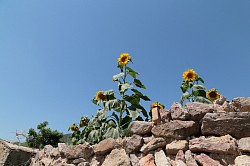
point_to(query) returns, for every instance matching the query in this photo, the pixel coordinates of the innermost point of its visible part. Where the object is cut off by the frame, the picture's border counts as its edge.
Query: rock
(153, 144)
(141, 127)
(220, 101)
(155, 115)
(148, 139)
(97, 160)
(205, 160)
(242, 104)
(236, 124)
(61, 146)
(78, 151)
(190, 161)
(180, 158)
(161, 159)
(176, 129)
(223, 145)
(55, 153)
(224, 159)
(11, 154)
(165, 115)
(178, 113)
(147, 160)
(175, 146)
(134, 160)
(117, 158)
(198, 110)
(244, 144)
(47, 150)
(79, 160)
(242, 160)
(105, 146)
(84, 164)
(133, 144)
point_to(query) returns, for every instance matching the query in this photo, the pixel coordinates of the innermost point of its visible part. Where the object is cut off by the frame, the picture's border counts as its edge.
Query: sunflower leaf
(138, 93)
(124, 87)
(139, 84)
(197, 87)
(199, 93)
(184, 87)
(185, 96)
(117, 76)
(131, 72)
(200, 79)
(203, 100)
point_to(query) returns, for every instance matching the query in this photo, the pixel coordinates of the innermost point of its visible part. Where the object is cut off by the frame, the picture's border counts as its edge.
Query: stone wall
(14, 155)
(197, 134)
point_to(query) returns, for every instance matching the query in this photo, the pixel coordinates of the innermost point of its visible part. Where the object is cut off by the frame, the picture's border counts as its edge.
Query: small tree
(45, 136)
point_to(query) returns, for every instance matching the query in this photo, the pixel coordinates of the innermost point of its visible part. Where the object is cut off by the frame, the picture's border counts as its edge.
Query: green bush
(45, 136)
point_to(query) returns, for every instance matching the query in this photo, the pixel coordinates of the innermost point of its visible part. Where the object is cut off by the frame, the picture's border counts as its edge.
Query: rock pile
(198, 134)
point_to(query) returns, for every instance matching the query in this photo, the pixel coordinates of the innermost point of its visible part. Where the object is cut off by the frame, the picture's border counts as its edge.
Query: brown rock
(242, 104)
(147, 160)
(223, 145)
(224, 159)
(198, 110)
(178, 113)
(105, 146)
(153, 144)
(117, 158)
(180, 158)
(205, 160)
(161, 159)
(236, 124)
(134, 160)
(165, 115)
(133, 144)
(141, 127)
(176, 129)
(175, 146)
(242, 160)
(190, 161)
(244, 144)
(78, 151)
(97, 160)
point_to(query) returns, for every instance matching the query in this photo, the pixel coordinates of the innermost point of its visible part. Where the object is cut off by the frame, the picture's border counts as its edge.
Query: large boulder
(11, 154)
(153, 144)
(105, 146)
(236, 124)
(242, 104)
(140, 127)
(117, 158)
(176, 129)
(222, 145)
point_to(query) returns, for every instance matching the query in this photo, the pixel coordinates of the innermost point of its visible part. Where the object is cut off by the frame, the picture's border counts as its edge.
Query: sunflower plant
(115, 113)
(194, 90)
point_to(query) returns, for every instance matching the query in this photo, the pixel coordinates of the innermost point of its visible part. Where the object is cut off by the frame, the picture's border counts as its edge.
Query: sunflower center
(190, 75)
(213, 95)
(124, 59)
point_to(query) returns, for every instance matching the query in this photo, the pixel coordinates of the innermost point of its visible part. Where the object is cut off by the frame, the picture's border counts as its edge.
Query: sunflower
(73, 128)
(189, 75)
(212, 94)
(100, 96)
(156, 104)
(123, 59)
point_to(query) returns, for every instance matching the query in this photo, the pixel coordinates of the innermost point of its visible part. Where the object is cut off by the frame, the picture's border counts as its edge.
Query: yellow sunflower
(156, 104)
(73, 128)
(83, 123)
(100, 96)
(212, 94)
(123, 59)
(189, 75)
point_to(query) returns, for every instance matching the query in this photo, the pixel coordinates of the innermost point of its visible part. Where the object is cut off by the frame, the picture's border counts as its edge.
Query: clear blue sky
(56, 54)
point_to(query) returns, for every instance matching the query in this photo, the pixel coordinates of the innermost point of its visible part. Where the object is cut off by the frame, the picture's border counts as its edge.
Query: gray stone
(176, 129)
(141, 127)
(175, 146)
(133, 144)
(161, 159)
(236, 124)
(134, 160)
(117, 158)
(244, 144)
(242, 160)
(223, 145)
(105, 146)
(11, 154)
(153, 144)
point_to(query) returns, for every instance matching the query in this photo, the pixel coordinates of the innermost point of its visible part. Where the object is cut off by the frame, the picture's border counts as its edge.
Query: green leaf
(109, 94)
(198, 87)
(124, 87)
(203, 100)
(199, 93)
(184, 87)
(125, 122)
(133, 111)
(185, 96)
(112, 133)
(133, 99)
(139, 84)
(113, 104)
(131, 72)
(138, 93)
(200, 79)
(117, 76)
